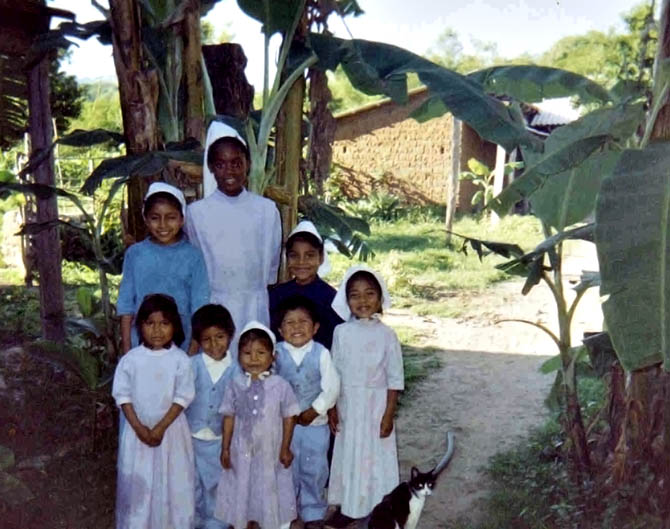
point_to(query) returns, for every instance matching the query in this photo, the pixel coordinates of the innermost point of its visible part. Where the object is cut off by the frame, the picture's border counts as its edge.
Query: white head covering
(162, 187)
(307, 226)
(217, 129)
(340, 304)
(258, 325)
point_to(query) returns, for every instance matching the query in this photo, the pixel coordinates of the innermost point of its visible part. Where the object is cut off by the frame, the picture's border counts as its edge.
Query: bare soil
(488, 391)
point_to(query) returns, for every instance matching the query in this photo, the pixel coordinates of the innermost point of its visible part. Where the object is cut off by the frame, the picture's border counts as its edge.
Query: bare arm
(141, 430)
(386, 426)
(158, 431)
(126, 325)
(285, 454)
(228, 428)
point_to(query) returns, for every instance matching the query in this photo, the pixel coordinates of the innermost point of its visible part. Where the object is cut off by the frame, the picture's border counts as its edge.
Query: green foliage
(632, 239)
(448, 52)
(611, 57)
(13, 491)
(532, 84)
(423, 272)
(378, 205)
(376, 68)
(482, 176)
(65, 98)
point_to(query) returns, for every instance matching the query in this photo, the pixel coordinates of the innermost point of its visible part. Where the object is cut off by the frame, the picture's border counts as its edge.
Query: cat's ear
(414, 473)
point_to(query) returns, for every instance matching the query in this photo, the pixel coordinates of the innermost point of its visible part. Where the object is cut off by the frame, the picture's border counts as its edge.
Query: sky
(515, 26)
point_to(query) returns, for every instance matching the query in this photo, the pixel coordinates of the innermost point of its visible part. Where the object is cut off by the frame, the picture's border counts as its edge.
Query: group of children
(251, 448)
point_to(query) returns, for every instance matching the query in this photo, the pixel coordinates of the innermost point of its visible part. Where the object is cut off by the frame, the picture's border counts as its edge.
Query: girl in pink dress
(259, 410)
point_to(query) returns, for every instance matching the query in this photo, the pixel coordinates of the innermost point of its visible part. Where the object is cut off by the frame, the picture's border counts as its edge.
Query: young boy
(213, 330)
(307, 366)
(304, 256)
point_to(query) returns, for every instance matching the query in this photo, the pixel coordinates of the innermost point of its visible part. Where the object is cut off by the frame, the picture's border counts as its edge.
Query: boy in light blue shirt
(213, 329)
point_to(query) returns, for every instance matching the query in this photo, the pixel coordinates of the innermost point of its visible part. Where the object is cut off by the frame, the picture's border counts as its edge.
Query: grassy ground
(429, 276)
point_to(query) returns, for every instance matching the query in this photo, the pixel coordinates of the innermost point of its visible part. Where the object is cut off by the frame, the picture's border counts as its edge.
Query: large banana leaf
(566, 149)
(569, 197)
(633, 242)
(377, 68)
(276, 16)
(530, 83)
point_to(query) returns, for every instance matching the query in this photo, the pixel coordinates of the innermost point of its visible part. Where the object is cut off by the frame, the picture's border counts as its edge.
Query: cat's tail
(444, 462)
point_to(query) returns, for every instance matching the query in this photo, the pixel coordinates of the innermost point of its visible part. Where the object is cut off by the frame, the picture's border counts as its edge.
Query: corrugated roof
(558, 111)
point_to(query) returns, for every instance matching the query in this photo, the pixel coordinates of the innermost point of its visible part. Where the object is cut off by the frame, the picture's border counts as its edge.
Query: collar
(209, 361)
(262, 376)
(222, 196)
(302, 350)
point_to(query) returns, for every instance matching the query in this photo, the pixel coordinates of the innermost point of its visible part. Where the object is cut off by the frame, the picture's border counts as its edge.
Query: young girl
(153, 383)
(238, 232)
(368, 358)
(163, 262)
(259, 410)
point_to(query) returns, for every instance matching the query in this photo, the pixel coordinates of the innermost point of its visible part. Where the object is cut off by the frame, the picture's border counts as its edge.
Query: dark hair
(160, 303)
(304, 236)
(212, 316)
(230, 141)
(161, 196)
(255, 334)
(370, 278)
(297, 302)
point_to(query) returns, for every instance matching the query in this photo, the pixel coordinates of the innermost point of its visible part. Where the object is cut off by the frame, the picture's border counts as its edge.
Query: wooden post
(452, 181)
(498, 179)
(52, 311)
(289, 156)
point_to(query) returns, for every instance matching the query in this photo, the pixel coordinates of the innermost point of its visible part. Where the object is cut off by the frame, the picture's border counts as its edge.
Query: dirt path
(488, 392)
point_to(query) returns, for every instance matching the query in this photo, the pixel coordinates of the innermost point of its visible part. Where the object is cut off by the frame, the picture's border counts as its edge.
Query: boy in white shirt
(308, 367)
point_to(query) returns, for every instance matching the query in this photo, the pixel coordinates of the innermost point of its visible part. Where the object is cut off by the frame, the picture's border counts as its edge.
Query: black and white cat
(401, 508)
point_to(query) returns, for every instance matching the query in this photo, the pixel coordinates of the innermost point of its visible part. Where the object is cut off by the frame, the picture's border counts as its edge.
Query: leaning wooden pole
(47, 242)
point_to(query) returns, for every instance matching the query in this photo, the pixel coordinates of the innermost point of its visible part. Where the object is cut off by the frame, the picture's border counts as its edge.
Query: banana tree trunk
(194, 122)
(641, 431)
(138, 92)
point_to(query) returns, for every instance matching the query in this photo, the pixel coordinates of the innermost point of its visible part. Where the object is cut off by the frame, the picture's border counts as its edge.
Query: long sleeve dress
(177, 270)
(368, 358)
(240, 238)
(155, 485)
(258, 487)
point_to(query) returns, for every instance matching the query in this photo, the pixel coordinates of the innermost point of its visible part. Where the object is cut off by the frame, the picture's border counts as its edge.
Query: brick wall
(378, 147)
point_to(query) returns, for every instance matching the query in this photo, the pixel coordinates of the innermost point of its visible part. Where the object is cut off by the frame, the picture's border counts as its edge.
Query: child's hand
(145, 436)
(307, 416)
(286, 457)
(386, 426)
(225, 459)
(333, 420)
(157, 433)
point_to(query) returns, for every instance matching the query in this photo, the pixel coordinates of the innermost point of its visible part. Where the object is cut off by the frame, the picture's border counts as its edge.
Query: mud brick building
(379, 147)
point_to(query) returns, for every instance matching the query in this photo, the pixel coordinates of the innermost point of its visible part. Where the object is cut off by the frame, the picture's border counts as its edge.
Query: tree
(66, 98)
(610, 57)
(448, 51)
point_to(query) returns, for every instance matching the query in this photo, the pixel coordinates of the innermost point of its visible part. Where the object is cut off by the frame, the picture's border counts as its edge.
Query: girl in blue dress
(165, 262)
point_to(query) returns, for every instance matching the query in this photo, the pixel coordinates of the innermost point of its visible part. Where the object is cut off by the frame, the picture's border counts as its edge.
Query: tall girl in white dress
(153, 383)
(367, 355)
